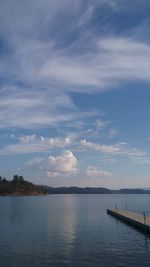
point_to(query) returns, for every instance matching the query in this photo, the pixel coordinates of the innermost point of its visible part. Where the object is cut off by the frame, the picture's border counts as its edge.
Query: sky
(75, 92)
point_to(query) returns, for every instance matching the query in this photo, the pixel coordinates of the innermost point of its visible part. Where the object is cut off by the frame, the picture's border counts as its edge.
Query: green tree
(17, 179)
(4, 181)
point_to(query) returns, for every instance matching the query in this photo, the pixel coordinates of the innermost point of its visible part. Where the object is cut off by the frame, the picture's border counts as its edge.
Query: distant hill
(93, 190)
(20, 187)
(133, 191)
(77, 190)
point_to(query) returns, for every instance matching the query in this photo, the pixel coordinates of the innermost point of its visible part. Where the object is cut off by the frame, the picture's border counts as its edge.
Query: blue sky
(74, 92)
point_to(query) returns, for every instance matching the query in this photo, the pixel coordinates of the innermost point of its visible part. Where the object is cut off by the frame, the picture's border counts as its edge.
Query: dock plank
(133, 218)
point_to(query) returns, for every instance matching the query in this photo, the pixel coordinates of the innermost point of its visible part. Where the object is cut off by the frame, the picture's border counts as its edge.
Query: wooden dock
(139, 221)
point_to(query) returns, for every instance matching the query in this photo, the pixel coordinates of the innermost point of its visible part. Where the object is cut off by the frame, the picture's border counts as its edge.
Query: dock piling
(144, 215)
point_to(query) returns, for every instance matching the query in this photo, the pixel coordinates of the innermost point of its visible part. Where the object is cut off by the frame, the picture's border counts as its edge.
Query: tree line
(19, 186)
(16, 180)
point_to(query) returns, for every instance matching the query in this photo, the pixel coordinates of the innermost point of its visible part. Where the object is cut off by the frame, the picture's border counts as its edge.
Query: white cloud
(94, 171)
(136, 154)
(28, 138)
(61, 166)
(35, 144)
(65, 164)
(100, 124)
(115, 60)
(108, 159)
(35, 108)
(110, 149)
(32, 108)
(47, 72)
(40, 60)
(120, 149)
(97, 127)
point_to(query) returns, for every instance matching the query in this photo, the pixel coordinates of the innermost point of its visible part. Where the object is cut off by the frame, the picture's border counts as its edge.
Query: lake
(71, 230)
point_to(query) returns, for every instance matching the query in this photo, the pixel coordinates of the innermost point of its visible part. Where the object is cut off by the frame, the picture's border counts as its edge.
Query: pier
(139, 221)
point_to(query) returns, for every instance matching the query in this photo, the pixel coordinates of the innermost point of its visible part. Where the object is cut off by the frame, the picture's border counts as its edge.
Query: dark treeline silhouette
(16, 180)
(19, 186)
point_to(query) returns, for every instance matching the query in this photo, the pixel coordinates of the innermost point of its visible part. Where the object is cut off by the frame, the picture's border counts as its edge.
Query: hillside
(18, 187)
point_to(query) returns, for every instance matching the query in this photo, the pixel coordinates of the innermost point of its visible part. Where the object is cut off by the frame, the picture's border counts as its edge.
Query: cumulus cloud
(94, 171)
(65, 164)
(61, 166)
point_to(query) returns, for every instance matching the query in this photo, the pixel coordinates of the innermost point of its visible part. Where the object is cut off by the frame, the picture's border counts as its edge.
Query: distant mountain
(93, 190)
(18, 187)
(77, 190)
(133, 191)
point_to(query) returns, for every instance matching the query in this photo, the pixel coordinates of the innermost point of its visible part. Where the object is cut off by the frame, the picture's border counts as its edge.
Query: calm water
(71, 230)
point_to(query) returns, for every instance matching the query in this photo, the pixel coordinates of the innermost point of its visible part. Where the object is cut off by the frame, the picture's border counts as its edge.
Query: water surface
(71, 230)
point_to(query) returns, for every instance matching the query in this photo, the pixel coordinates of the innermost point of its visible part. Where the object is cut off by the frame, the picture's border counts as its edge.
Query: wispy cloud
(112, 133)
(110, 61)
(96, 172)
(40, 67)
(35, 144)
(114, 60)
(29, 108)
(118, 149)
(108, 149)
